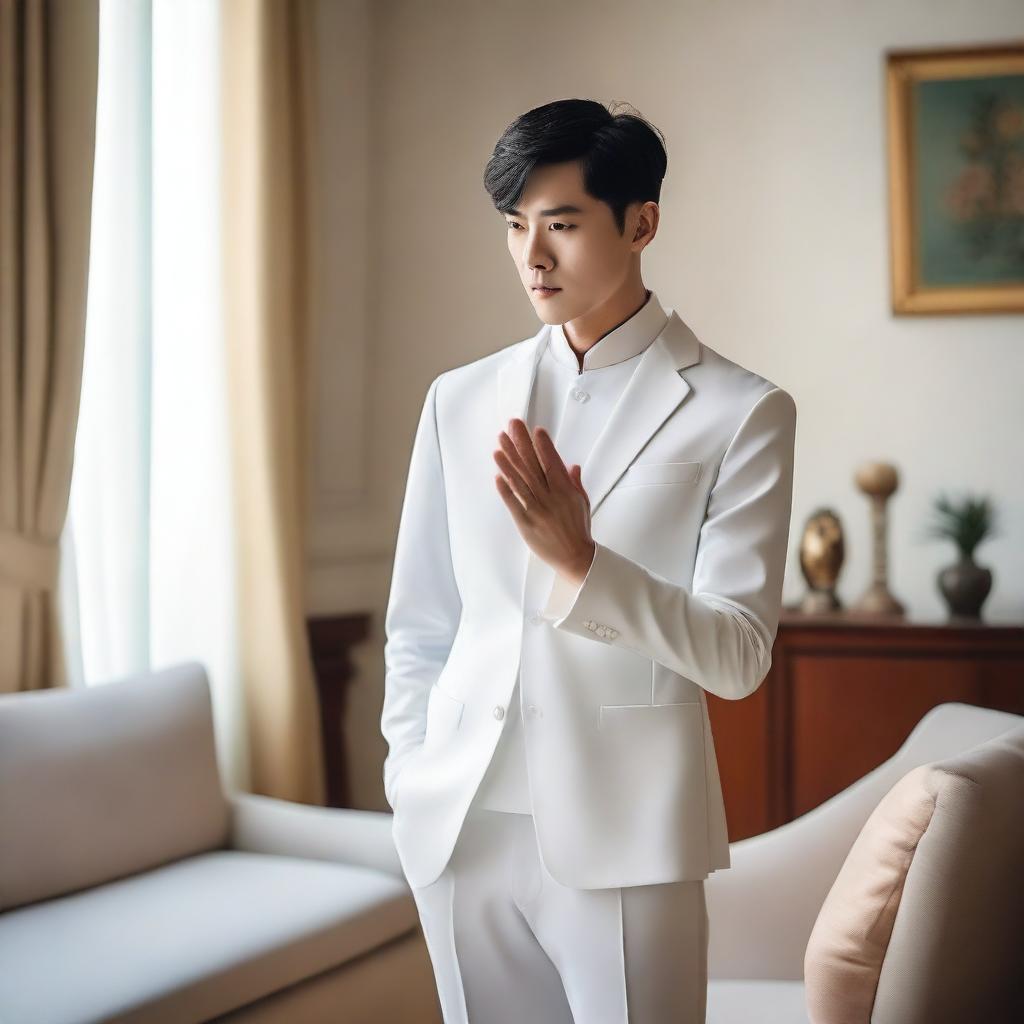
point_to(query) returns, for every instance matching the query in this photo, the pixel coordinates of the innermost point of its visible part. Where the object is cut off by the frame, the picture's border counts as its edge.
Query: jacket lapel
(651, 396)
(515, 381)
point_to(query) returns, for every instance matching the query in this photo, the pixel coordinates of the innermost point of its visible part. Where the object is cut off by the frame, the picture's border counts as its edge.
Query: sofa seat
(766, 1001)
(194, 938)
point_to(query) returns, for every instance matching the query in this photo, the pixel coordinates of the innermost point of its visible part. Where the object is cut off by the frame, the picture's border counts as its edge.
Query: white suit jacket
(690, 484)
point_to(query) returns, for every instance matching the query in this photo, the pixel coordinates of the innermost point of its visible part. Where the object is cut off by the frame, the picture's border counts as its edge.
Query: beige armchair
(764, 908)
(134, 889)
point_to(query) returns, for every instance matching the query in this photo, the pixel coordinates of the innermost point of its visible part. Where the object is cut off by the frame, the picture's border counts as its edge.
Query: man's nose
(535, 255)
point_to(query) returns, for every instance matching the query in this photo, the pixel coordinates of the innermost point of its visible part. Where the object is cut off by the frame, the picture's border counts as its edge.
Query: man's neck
(586, 331)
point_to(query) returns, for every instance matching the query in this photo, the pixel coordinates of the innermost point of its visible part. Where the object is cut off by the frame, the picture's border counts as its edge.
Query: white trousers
(511, 945)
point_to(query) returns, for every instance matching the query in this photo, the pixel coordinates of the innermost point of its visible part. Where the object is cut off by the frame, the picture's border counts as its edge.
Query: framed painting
(956, 179)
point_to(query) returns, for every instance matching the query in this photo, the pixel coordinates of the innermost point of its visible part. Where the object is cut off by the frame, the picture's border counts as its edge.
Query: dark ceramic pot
(965, 585)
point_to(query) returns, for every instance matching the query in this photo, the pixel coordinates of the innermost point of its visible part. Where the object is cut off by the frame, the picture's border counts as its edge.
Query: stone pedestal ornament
(879, 481)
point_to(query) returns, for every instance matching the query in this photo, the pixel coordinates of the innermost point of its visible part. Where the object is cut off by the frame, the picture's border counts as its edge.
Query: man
(593, 536)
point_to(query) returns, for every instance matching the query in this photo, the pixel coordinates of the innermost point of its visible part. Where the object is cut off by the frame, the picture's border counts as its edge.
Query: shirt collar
(626, 340)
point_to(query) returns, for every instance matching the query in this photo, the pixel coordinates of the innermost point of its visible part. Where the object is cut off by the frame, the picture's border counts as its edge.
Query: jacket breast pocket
(642, 474)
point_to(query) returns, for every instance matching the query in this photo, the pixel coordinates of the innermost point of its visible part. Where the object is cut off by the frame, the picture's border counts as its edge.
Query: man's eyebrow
(555, 211)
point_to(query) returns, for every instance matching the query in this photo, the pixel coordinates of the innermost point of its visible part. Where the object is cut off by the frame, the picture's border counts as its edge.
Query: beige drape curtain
(267, 117)
(48, 76)
(48, 71)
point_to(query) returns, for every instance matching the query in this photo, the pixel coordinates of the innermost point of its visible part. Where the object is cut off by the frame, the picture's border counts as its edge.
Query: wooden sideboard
(332, 643)
(843, 693)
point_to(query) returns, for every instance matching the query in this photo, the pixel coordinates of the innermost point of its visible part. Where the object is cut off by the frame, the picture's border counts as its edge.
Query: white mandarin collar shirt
(628, 339)
(572, 405)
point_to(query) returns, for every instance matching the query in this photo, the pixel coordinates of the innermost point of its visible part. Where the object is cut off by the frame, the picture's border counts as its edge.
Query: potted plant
(964, 584)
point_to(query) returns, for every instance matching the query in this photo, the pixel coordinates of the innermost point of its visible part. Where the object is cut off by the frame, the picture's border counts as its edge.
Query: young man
(593, 536)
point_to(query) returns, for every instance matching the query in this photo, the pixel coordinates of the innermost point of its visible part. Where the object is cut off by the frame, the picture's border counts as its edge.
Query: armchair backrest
(924, 923)
(957, 946)
(787, 872)
(106, 781)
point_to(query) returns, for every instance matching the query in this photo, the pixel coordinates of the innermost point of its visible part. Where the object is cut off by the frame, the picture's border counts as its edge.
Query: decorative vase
(965, 585)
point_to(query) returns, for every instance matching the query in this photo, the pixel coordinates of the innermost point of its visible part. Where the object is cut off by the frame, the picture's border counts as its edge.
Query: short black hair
(622, 156)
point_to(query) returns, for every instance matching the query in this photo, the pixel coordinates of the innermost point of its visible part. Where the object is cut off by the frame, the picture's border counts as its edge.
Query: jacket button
(499, 712)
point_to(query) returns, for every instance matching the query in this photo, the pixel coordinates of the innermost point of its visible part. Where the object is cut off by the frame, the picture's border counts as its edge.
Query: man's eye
(554, 224)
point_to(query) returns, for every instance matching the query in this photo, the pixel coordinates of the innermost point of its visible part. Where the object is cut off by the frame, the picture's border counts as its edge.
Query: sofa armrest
(263, 824)
(763, 907)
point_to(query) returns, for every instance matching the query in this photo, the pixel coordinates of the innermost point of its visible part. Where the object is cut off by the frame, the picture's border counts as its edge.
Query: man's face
(563, 237)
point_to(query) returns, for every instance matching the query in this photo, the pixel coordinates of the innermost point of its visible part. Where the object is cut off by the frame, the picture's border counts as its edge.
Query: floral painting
(957, 180)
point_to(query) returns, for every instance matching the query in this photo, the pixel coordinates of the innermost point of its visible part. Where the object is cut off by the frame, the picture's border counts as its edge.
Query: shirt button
(499, 712)
(537, 618)
(579, 395)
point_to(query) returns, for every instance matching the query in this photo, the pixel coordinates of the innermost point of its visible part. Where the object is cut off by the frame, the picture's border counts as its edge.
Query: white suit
(690, 483)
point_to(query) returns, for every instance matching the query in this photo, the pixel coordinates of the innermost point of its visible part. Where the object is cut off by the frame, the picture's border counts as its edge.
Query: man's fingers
(534, 477)
(522, 443)
(511, 502)
(554, 466)
(535, 460)
(519, 486)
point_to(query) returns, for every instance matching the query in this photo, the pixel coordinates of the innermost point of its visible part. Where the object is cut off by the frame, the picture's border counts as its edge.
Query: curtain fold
(48, 93)
(48, 73)
(267, 58)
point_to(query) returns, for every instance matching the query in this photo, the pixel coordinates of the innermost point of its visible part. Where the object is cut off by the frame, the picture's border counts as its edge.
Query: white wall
(773, 247)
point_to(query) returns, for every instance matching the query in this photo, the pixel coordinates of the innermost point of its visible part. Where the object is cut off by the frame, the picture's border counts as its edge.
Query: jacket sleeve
(424, 606)
(720, 632)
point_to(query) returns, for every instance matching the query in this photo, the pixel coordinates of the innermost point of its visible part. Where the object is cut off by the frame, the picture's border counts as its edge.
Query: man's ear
(652, 214)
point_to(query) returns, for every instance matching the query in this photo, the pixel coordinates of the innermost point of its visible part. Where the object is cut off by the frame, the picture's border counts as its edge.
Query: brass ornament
(822, 550)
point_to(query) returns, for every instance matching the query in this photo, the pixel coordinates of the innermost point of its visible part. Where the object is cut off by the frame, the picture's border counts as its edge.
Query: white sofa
(763, 908)
(134, 889)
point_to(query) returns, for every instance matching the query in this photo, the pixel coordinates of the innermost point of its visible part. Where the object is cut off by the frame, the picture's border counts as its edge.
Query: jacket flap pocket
(444, 712)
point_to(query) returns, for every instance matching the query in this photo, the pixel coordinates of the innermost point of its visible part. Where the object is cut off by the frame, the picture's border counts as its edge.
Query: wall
(773, 247)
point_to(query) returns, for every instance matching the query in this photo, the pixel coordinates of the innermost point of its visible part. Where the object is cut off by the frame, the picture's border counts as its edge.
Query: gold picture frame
(956, 179)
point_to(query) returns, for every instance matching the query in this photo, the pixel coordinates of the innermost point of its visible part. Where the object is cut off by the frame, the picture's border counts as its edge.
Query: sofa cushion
(755, 1001)
(106, 781)
(924, 920)
(194, 939)
(847, 944)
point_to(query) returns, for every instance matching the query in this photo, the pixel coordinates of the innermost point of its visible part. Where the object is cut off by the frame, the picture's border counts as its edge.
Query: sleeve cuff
(564, 592)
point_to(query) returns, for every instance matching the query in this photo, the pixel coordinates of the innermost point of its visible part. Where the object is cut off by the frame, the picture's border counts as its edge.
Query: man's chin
(550, 309)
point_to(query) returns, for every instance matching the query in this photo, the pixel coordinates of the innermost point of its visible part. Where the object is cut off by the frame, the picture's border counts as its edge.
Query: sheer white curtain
(148, 568)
